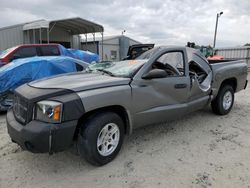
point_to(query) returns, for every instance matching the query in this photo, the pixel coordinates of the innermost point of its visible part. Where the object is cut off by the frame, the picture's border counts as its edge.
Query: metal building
(113, 48)
(235, 53)
(66, 32)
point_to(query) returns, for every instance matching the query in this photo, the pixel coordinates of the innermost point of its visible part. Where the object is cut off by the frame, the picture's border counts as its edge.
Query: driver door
(157, 100)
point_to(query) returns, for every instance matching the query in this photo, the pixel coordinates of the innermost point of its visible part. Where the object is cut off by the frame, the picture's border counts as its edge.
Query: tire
(93, 132)
(224, 100)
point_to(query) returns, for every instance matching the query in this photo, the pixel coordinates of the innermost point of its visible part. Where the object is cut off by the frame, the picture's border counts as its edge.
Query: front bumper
(40, 137)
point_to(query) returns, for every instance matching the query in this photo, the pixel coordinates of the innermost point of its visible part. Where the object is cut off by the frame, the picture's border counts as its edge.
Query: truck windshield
(118, 69)
(6, 52)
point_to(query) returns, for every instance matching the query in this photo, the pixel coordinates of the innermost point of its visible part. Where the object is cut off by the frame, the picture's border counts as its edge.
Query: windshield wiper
(106, 72)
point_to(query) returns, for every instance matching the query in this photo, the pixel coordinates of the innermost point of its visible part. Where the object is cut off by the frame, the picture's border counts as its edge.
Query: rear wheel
(224, 101)
(100, 139)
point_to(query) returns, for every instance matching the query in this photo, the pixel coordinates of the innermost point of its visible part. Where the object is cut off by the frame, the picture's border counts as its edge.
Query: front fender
(106, 97)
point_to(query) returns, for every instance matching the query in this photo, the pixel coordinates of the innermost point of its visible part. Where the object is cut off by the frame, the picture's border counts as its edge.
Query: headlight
(48, 111)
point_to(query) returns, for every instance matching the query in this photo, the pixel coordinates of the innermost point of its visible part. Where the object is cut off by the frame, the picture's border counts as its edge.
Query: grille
(20, 109)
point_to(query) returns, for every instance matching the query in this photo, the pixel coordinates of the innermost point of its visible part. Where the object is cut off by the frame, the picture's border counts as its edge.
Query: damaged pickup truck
(95, 109)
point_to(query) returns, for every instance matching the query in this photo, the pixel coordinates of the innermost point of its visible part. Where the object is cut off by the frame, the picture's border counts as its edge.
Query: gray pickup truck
(96, 108)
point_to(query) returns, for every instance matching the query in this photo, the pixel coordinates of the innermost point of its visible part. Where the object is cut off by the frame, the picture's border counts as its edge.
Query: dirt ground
(199, 150)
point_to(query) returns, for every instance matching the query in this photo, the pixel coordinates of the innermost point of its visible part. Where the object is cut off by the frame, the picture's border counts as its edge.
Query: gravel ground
(199, 150)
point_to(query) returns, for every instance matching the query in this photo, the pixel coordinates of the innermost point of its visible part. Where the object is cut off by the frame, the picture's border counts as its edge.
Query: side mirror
(155, 73)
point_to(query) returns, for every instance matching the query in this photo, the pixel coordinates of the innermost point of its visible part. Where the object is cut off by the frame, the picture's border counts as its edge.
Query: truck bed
(235, 70)
(221, 61)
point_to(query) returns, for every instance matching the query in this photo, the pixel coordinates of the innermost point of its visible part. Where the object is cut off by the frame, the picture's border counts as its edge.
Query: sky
(163, 22)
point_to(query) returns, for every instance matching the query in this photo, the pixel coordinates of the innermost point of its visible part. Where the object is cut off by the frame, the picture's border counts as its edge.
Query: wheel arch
(120, 110)
(230, 81)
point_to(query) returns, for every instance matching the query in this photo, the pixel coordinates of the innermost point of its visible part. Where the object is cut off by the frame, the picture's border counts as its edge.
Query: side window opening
(79, 68)
(24, 52)
(196, 71)
(172, 63)
(200, 76)
(50, 51)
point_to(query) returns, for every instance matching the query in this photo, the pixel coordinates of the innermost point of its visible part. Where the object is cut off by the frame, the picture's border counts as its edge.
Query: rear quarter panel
(227, 70)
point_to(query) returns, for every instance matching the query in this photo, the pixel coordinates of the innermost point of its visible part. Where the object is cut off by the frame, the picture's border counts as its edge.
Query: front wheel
(100, 139)
(224, 101)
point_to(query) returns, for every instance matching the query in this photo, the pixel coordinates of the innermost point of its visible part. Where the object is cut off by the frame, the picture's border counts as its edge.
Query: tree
(247, 44)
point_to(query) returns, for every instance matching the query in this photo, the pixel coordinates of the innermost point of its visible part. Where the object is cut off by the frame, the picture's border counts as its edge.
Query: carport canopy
(76, 26)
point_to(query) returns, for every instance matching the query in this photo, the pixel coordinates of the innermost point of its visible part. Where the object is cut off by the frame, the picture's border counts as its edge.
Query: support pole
(215, 32)
(86, 41)
(216, 25)
(34, 36)
(28, 37)
(40, 35)
(24, 33)
(102, 46)
(94, 42)
(48, 35)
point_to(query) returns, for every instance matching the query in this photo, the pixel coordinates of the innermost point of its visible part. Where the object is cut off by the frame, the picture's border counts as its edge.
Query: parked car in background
(31, 50)
(96, 109)
(25, 70)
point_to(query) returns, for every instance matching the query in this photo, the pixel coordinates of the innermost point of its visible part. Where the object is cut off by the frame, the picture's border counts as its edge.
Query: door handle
(180, 86)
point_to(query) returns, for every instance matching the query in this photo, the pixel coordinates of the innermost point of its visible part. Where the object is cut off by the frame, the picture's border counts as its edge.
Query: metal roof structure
(44, 31)
(76, 25)
(109, 38)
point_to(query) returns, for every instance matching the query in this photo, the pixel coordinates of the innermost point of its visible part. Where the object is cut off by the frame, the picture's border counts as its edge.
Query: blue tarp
(21, 71)
(85, 56)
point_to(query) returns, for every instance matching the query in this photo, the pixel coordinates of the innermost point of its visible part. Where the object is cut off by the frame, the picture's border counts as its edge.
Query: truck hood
(79, 81)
